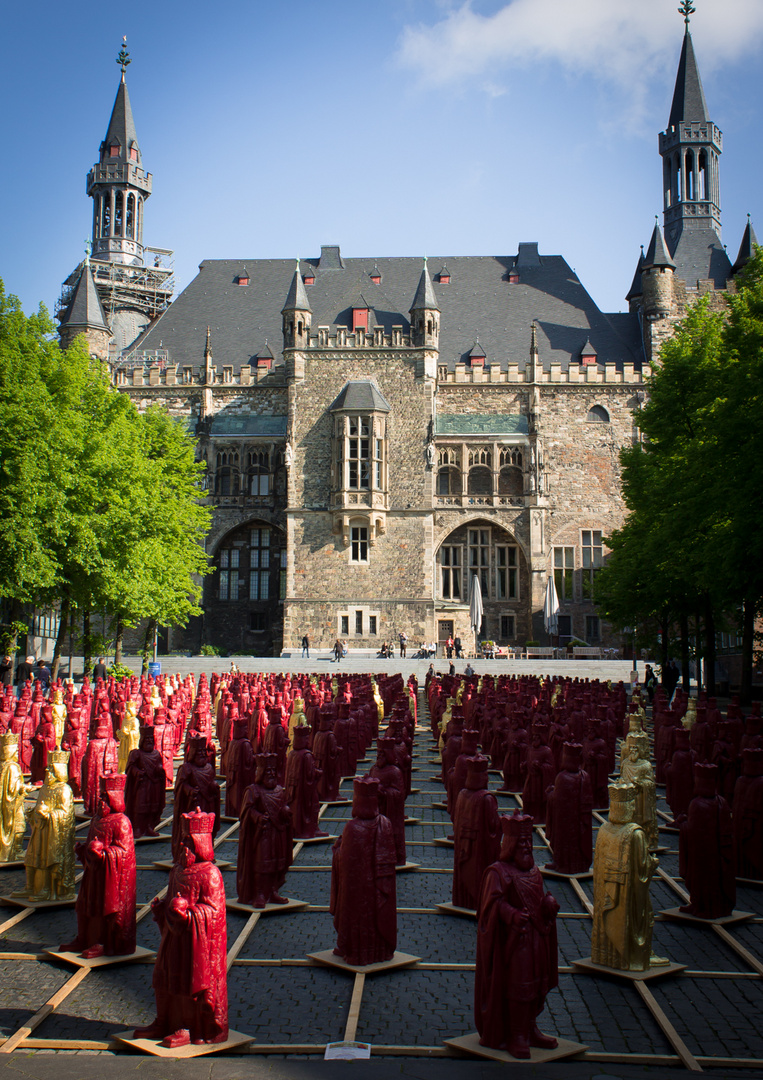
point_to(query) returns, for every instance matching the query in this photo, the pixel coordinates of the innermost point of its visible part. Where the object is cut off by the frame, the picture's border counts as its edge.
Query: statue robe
(240, 771)
(195, 788)
(51, 844)
(302, 776)
(621, 936)
(265, 844)
(569, 822)
(363, 891)
(392, 803)
(477, 843)
(706, 858)
(514, 966)
(106, 900)
(190, 977)
(12, 818)
(100, 758)
(145, 790)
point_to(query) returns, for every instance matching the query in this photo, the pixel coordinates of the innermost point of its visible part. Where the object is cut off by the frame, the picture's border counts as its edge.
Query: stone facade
(379, 434)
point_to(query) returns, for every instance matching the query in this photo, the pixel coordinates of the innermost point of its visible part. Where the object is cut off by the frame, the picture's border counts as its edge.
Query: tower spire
(690, 148)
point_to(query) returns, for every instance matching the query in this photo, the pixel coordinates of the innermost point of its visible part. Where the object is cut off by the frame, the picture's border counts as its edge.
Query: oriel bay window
(358, 445)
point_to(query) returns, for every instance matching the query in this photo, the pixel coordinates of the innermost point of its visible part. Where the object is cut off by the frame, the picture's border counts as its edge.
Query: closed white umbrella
(551, 608)
(475, 607)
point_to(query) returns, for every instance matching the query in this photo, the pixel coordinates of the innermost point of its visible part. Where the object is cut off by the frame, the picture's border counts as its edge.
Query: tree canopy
(99, 503)
(691, 545)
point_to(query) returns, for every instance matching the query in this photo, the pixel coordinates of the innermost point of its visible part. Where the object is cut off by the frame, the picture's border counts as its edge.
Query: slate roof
(85, 307)
(657, 252)
(746, 248)
(360, 396)
(478, 303)
(688, 96)
(481, 424)
(224, 424)
(121, 126)
(700, 254)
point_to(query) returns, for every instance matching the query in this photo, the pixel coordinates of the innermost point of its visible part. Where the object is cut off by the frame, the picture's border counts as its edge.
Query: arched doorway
(492, 553)
(243, 596)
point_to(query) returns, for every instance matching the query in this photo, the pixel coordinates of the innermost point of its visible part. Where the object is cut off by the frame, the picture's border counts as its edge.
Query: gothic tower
(690, 148)
(132, 294)
(119, 185)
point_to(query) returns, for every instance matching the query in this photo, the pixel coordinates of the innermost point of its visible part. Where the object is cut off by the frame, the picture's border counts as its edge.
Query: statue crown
(621, 794)
(58, 757)
(197, 823)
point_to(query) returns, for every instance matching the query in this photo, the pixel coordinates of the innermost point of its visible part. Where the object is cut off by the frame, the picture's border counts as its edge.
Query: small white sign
(347, 1051)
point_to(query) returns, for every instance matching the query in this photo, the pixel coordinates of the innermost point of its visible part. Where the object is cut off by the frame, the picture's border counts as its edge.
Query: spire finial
(88, 246)
(208, 346)
(686, 9)
(124, 57)
(297, 267)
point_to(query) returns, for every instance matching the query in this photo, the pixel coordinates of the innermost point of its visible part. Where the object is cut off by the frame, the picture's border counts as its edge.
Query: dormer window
(114, 151)
(513, 276)
(375, 276)
(359, 319)
(133, 153)
(444, 276)
(477, 355)
(242, 279)
(309, 278)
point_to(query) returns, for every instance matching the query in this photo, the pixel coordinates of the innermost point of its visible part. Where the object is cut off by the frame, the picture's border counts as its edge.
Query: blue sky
(402, 127)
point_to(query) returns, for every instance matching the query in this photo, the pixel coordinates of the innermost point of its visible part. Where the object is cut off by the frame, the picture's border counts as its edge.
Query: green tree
(99, 504)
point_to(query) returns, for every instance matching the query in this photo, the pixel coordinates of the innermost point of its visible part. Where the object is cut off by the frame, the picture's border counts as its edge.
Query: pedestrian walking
(305, 646)
(403, 642)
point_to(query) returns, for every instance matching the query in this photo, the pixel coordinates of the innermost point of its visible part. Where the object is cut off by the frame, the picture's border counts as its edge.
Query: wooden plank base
(565, 877)
(269, 909)
(151, 1046)
(452, 909)
(470, 1044)
(329, 959)
(100, 961)
(37, 905)
(725, 920)
(443, 841)
(12, 865)
(315, 839)
(587, 965)
(167, 864)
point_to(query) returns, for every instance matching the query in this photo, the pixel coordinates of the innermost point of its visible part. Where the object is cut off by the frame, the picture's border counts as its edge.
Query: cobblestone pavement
(282, 1000)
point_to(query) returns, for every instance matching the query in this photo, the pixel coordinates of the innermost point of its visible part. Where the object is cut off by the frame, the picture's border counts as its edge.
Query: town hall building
(379, 431)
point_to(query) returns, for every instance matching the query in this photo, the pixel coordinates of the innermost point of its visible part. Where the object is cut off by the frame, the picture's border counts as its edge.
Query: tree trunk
(685, 677)
(709, 647)
(119, 629)
(698, 650)
(63, 626)
(87, 647)
(748, 643)
(665, 650)
(148, 645)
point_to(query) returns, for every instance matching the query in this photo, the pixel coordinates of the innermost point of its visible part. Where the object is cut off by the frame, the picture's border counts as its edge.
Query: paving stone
(715, 1016)
(25, 986)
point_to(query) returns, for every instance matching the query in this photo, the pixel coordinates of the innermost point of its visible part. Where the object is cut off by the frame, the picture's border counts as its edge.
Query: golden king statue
(50, 855)
(128, 735)
(636, 769)
(12, 819)
(60, 713)
(622, 871)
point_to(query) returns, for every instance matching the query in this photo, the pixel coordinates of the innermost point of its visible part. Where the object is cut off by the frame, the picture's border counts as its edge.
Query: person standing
(403, 643)
(42, 674)
(457, 647)
(6, 670)
(99, 671)
(305, 646)
(24, 671)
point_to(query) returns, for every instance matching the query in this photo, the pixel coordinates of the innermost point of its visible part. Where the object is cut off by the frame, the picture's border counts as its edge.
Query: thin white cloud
(614, 41)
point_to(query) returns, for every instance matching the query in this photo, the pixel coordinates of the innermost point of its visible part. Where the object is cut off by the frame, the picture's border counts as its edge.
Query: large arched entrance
(243, 596)
(484, 549)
